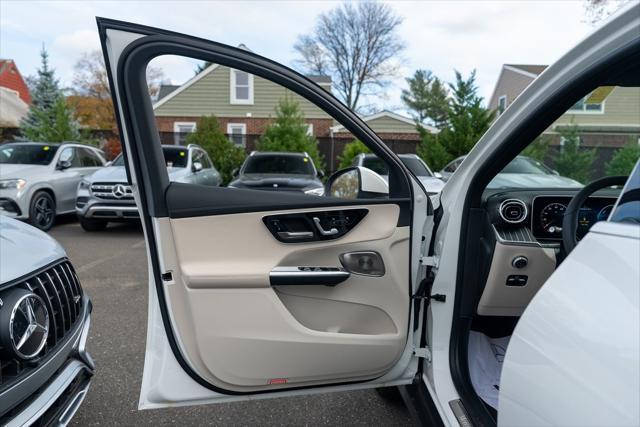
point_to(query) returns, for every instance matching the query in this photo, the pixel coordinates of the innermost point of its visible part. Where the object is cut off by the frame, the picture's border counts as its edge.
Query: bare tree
(355, 44)
(90, 77)
(597, 10)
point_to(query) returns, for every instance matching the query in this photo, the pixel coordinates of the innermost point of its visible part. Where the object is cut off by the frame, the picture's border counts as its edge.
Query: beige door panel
(240, 334)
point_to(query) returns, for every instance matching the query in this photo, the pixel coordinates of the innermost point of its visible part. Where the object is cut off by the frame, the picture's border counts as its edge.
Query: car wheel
(390, 394)
(92, 224)
(42, 211)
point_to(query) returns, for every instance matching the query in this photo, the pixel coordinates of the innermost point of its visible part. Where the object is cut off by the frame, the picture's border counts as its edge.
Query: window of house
(502, 104)
(582, 107)
(181, 130)
(237, 133)
(310, 129)
(241, 87)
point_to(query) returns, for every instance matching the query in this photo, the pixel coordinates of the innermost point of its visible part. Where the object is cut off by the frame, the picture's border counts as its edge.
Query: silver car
(431, 181)
(107, 197)
(45, 369)
(38, 180)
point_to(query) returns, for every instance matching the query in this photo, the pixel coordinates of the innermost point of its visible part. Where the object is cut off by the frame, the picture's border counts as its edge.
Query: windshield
(173, 157)
(526, 165)
(274, 164)
(375, 164)
(416, 166)
(28, 154)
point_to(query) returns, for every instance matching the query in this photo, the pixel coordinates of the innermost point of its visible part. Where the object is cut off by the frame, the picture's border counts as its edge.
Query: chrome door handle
(322, 231)
(295, 235)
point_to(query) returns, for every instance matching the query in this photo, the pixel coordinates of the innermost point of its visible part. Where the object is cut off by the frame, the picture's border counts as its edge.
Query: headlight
(315, 191)
(13, 183)
(84, 185)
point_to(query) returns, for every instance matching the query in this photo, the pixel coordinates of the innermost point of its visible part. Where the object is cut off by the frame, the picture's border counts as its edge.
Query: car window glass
(88, 158)
(27, 154)
(175, 157)
(258, 134)
(70, 154)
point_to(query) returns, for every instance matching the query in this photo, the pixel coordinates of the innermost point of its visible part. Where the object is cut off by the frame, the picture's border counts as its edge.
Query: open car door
(253, 292)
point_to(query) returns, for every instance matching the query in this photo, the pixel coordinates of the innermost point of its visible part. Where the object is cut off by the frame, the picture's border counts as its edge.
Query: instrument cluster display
(548, 214)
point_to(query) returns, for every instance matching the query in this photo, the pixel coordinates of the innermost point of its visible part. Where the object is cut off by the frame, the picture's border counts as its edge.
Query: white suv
(38, 180)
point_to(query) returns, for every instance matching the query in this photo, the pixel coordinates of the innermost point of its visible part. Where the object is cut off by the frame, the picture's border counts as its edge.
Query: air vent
(513, 211)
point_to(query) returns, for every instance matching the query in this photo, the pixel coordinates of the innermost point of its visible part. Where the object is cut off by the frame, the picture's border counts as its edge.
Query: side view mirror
(196, 167)
(320, 174)
(235, 172)
(63, 164)
(109, 163)
(355, 183)
(437, 175)
(555, 172)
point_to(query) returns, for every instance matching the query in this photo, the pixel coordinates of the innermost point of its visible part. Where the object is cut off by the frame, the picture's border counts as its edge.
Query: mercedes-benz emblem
(119, 191)
(28, 326)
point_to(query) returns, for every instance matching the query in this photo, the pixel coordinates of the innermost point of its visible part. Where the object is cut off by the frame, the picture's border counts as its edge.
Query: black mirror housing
(63, 164)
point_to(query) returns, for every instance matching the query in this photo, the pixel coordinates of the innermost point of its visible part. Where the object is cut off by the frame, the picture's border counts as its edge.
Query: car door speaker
(366, 263)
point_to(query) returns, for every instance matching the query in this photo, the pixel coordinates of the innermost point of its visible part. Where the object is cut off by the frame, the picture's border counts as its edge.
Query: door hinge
(423, 353)
(429, 261)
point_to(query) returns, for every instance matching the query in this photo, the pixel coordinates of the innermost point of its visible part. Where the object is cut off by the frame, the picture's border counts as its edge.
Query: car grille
(60, 288)
(105, 190)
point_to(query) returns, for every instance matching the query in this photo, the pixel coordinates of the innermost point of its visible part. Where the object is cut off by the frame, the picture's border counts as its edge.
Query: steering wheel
(570, 220)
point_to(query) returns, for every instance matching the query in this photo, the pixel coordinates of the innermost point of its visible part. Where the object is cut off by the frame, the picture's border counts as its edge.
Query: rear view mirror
(437, 175)
(356, 183)
(320, 174)
(63, 164)
(197, 167)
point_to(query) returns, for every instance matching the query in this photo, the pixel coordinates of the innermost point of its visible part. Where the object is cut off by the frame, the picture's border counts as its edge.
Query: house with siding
(243, 103)
(389, 126)
(607, 118)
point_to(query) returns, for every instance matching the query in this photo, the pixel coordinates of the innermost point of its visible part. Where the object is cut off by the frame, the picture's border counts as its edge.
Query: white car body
(575, 350)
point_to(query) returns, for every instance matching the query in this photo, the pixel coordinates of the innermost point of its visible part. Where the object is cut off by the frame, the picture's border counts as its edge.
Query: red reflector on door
(278, 381)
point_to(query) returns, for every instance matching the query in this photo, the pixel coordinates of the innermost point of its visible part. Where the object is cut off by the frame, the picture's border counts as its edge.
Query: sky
(439, 35)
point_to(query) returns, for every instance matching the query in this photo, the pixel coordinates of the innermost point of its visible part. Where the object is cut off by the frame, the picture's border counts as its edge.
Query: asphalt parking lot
(113, 269)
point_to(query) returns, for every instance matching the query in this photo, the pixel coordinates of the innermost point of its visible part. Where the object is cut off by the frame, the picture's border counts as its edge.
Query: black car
(279, 171)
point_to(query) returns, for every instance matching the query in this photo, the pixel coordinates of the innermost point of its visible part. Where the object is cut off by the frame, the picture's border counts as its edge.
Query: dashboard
(541, 212)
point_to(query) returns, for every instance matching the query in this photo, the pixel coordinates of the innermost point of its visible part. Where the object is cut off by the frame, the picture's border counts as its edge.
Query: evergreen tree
(467, 121)
(49, 118)
(226, 156)
(624, 159)
(538, 149)
(288, 132)
(350, 151)
(427, 98)
(432, 151)
(573, 161)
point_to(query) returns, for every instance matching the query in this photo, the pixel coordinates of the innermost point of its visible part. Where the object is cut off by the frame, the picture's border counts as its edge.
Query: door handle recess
(295, 235)
(327, 276)
(332, 231)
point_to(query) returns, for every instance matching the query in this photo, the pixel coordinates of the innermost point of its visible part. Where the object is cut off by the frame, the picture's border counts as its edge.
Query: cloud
(440, 35)
(77, 42)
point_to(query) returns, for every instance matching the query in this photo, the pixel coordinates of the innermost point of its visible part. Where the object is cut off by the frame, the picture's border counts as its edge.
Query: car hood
(8, 170)
(109, 174)
(527, 180)
(276, 181)
(17, 243)
(119, 174)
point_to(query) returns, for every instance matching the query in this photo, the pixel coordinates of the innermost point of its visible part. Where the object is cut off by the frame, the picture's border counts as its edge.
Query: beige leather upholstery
(240, 334)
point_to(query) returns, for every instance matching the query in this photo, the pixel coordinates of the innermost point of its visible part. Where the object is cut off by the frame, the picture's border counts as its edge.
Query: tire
(390, 394)
(92, 224)
(42, 211)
